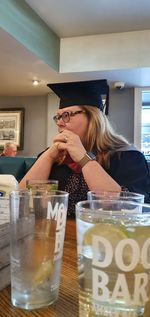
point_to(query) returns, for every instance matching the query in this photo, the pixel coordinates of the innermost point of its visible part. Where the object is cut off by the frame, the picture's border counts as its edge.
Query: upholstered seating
(16, 166)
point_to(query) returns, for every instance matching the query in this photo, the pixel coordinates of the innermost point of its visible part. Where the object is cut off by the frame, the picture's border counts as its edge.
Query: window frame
(138, 115)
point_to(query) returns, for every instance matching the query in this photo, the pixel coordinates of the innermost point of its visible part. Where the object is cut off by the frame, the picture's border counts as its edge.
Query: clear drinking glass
(40, 184)
(37, 229)
(4, 242)
(113, 258)
(123, 195)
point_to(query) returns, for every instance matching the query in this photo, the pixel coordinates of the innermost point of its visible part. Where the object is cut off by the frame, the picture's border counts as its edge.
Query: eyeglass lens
(66, 115)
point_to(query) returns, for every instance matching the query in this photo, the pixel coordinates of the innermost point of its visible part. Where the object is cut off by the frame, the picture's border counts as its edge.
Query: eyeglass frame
(57, 117)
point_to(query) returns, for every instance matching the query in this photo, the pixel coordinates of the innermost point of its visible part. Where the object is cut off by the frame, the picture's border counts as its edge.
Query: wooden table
(67, 304)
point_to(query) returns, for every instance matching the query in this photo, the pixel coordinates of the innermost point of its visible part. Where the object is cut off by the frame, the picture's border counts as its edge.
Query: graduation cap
(80, 93)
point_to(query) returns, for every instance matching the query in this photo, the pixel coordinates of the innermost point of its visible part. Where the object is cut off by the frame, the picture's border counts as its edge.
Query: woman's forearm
(97, 179)
(40, 170)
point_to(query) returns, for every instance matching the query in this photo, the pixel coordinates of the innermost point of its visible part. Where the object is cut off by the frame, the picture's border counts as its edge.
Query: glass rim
(131, 202)
(81, 207)
(34, 193)
(115, 192)
(44, 181)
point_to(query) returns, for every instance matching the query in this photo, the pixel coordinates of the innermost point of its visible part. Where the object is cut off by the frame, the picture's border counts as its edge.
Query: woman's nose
(60, 122)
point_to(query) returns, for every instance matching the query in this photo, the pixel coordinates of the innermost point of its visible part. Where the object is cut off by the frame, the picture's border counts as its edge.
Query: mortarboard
(81, 93)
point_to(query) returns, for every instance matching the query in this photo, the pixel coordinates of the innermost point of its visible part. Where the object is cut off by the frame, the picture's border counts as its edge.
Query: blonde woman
(87, 154)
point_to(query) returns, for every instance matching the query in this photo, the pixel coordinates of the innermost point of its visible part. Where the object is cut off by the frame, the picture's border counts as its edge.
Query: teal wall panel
(21, 22)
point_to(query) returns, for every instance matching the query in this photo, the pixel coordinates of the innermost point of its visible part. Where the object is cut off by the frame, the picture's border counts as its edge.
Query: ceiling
(69, 18)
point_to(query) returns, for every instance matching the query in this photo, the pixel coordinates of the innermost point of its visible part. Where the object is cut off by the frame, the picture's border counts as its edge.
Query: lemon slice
(109, 231)
(113, 233)
(52, 187)
(43, 272)
(140, 234)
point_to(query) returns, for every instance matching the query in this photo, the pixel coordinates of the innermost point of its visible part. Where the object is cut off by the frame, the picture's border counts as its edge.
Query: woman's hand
(70, 142)
(54, 153)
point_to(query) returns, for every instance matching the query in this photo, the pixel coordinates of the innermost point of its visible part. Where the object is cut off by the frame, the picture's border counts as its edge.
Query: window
(142, 121)
(145, 124)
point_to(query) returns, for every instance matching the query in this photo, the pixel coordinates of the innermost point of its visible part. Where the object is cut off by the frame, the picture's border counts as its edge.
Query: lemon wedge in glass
(45, 271)
(140, 234)
(111, 232)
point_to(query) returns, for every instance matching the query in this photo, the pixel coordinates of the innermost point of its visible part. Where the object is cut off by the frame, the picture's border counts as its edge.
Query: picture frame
(12, 126)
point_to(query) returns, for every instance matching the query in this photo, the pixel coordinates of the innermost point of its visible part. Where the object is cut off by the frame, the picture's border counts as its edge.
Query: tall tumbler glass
(123, 195)
(37, 229)
(113, 258)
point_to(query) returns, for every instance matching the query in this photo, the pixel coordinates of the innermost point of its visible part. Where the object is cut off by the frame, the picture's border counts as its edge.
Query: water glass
(37, 229)
(113, 243)
(123, 195)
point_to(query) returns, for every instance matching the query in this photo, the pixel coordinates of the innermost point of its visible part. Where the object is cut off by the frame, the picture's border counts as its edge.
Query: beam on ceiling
(21, 22)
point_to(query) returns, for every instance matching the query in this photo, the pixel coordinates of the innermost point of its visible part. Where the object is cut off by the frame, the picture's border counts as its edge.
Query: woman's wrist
(48, 155)
(87, 157)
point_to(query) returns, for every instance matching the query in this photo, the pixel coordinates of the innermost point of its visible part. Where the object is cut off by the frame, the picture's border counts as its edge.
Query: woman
(87, 154)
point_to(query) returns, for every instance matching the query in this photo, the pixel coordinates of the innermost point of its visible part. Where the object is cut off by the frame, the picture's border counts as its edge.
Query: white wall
(121, 112)
(105, 52)
(52, 107)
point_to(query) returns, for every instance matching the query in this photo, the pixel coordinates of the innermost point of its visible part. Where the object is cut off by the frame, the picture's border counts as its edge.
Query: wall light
(35, 82)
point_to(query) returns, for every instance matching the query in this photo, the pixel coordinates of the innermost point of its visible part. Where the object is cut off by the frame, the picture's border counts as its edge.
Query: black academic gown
(128, 168)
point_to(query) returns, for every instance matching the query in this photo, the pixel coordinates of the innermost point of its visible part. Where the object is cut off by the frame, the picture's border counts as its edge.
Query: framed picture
(12, 126)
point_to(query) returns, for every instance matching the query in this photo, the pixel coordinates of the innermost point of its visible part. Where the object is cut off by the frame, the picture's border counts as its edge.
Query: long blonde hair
(101, 138)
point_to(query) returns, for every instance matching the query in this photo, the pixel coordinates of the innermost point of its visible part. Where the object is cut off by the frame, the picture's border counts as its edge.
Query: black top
(128, 168)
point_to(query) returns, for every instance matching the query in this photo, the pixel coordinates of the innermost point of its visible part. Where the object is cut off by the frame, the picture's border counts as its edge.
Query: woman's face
(77, 123)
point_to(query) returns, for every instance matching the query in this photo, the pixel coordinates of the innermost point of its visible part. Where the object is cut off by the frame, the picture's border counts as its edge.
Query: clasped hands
(67, 142)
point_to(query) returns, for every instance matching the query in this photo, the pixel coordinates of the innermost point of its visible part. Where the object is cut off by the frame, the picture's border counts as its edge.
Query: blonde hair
(101, 138)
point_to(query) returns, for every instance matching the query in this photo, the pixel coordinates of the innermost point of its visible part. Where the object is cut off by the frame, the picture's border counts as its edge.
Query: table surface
(67, 303)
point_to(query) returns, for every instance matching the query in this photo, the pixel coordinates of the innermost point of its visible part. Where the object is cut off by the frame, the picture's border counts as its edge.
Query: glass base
(101, 310)
(31, 302)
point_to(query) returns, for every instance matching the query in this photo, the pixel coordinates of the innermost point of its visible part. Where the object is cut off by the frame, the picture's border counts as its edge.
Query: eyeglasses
(65, 116)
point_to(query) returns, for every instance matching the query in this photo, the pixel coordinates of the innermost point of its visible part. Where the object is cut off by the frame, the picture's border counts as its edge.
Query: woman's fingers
(69, 142)
(61, 137)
